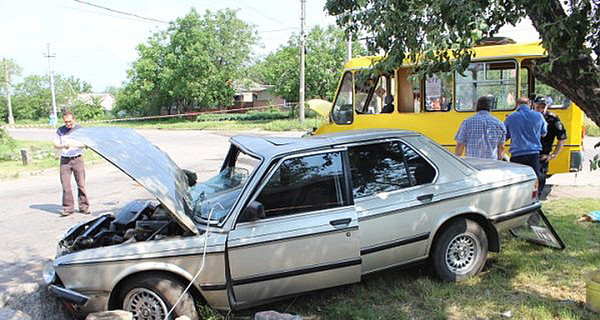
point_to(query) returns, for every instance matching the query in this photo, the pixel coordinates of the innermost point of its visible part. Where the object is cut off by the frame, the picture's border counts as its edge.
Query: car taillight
(534, 193)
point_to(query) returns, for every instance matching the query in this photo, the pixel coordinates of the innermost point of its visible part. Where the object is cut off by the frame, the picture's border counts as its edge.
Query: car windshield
(214, 198)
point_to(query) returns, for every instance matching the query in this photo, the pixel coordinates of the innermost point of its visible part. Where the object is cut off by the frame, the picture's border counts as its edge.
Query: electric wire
(203, 260)
(121, 12)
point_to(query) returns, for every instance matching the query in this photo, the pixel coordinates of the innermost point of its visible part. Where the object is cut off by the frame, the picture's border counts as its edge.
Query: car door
(392, 186)
(308, 238)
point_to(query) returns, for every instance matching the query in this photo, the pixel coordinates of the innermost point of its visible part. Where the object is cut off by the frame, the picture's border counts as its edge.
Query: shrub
(253, 115)
(7, 146)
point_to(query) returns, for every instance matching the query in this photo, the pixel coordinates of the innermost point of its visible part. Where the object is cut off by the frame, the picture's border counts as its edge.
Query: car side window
(378, 167)
(421, 171)
(303, 184)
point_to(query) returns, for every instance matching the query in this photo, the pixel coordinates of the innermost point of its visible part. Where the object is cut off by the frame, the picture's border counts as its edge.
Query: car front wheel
(460, 250)
(151, 296)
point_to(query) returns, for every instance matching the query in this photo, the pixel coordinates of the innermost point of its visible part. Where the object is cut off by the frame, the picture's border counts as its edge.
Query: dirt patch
(561, 191)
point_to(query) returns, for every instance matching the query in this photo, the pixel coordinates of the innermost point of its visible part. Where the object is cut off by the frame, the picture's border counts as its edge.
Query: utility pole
(302, 38)
(48, 55)
(11, 120)
(349, 48)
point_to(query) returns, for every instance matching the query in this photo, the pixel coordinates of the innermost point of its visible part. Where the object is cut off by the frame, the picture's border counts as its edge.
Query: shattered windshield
(214, 198)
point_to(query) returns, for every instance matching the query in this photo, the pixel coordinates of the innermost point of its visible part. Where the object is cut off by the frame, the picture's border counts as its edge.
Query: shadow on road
(52, 208)
(22, 289)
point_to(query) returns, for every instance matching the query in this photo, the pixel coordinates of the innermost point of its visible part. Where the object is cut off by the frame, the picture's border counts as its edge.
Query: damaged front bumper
(67, 295)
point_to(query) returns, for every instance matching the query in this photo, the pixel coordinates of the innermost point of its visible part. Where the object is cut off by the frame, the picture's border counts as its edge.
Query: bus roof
(493, 52)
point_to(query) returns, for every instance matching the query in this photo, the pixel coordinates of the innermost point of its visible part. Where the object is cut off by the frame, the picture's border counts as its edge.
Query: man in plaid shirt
(482, 134)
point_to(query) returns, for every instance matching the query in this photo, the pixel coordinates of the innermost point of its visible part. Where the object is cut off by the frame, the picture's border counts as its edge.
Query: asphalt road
(31, 224)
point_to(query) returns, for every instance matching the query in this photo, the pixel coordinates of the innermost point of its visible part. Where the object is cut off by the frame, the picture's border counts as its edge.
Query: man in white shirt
(71, 161)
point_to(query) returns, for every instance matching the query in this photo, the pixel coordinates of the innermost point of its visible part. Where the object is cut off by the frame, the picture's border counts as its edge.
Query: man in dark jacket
(71, 161)
(556, 130)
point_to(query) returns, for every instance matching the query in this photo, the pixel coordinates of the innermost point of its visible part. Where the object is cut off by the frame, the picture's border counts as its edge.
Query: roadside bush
(7, 146)
(591, 129)
(254, 115)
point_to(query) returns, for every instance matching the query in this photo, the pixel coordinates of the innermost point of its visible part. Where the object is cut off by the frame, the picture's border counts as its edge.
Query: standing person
(71, 161)
(482, 134)
(525, 128)
(555, 130)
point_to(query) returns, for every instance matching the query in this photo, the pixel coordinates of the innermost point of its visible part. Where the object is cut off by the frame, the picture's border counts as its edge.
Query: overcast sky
(98, 46)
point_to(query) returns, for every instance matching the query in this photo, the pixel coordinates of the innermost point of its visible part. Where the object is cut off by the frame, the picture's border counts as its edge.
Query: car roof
(270, 146)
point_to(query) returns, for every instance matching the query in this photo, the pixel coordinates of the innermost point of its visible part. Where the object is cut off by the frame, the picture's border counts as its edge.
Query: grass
(525, 280)
(43, 158)
(226, 125)
(191, 124)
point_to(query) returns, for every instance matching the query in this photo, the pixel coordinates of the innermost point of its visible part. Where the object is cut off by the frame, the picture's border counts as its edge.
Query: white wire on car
(203, 260)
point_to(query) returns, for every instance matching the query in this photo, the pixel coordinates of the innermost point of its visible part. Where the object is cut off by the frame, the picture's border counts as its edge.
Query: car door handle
(425, 197)
(340, 222)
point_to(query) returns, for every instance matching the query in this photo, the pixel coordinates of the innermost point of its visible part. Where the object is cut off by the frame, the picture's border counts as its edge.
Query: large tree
(325, 57)
(570, 32)
(191, 64)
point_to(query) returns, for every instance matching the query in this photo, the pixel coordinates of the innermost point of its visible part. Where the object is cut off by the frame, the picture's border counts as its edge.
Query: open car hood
(145, 163)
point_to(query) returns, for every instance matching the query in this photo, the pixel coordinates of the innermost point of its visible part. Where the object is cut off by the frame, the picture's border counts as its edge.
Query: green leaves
(188, 65)
(325, 58)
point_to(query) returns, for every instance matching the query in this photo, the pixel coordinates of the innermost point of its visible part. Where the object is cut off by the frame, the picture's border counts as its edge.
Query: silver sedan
(282, 217)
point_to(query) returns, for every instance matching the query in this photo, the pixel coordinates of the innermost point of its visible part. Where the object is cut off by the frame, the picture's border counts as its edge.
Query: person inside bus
(389, 104)
(482, 134)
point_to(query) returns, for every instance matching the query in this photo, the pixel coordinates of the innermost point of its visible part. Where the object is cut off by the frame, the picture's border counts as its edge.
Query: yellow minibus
(436, 105)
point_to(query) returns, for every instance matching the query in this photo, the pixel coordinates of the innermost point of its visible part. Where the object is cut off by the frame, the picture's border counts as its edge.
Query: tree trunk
(577, 78)
(583, 89)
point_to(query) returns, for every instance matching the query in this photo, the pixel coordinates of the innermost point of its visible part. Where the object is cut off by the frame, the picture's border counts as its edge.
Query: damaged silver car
(285, 216)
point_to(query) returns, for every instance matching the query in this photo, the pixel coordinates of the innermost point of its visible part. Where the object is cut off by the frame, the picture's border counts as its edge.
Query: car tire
(151, 296)
(460, 251)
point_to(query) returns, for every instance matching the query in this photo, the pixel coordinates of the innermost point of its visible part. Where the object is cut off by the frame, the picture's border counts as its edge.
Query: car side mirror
(254, 211)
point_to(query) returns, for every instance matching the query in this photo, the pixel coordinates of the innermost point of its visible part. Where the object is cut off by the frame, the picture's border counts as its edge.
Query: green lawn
(43, 158)
(228, 125)
(529, 281)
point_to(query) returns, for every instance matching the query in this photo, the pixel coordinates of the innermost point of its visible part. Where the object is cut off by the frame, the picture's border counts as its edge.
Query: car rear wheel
(460, 250)
(151, 296)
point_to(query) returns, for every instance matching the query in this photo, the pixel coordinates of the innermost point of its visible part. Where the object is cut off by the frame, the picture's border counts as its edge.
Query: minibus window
(342, 109)
(364, 87)
(554, 99)
(438, 92)
(524, 82)
(495, 79)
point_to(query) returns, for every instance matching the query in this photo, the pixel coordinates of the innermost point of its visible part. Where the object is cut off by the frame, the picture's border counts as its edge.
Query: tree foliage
(32, 100)
(191, 64)
(570, 31)
(325, 57)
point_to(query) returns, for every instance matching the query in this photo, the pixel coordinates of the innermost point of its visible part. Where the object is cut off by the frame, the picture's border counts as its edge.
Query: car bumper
(515, 218)
(70, 296)
(78, 303)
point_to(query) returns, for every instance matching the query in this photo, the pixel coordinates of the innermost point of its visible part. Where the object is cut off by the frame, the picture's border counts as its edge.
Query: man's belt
(73, 157)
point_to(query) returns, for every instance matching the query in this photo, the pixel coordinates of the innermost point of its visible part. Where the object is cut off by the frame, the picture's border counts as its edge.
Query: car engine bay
(139, 220)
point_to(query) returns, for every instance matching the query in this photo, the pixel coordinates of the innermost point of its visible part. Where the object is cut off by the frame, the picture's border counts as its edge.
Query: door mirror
(254, 211)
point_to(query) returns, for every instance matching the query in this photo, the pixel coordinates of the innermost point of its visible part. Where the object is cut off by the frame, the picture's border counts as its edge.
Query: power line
(96, 13)
(121, 12)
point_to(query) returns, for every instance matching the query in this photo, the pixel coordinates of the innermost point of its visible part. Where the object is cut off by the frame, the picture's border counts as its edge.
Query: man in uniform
(555, 130)
(71, 162)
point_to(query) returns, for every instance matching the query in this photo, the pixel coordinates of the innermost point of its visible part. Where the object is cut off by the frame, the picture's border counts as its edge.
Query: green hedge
(271, 114)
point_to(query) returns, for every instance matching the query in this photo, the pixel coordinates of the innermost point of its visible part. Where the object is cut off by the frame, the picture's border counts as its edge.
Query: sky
(98, 46)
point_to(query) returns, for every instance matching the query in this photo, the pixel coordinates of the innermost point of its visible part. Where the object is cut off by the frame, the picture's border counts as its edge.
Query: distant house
(251, 94)
(107, 101)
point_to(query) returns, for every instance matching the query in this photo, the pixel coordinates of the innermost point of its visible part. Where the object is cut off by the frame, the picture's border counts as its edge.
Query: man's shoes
(66, 213)
(85, 211)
